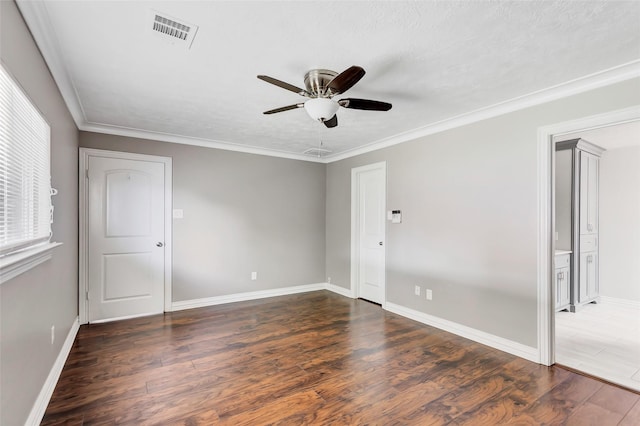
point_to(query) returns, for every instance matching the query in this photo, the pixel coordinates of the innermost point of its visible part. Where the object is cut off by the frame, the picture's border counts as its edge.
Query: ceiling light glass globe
(321, 109)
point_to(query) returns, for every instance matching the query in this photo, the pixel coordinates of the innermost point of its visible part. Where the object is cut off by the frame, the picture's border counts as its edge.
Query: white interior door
(126, 238)
(369, 197)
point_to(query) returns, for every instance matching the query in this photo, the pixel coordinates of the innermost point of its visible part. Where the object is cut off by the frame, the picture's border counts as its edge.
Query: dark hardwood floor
(314, 358)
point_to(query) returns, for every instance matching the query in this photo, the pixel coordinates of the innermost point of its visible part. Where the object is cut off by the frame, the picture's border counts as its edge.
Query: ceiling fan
(321, 86)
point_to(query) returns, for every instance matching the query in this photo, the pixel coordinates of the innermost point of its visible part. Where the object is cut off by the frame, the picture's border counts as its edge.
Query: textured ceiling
(433, 60)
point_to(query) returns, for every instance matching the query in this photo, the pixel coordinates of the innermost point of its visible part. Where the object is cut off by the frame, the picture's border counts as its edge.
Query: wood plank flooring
(313, 359)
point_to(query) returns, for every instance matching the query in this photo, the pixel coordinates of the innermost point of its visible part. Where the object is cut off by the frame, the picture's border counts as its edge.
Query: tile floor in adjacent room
(602, 340)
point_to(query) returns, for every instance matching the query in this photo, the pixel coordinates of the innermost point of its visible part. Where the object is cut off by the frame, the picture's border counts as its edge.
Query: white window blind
(25, 182)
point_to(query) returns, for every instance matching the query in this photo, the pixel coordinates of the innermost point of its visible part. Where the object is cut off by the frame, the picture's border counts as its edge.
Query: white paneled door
(369, 205)
(126, 238)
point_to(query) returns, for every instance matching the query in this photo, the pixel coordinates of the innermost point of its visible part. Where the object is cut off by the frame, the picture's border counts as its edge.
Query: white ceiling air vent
(317, 152)
(172, 30)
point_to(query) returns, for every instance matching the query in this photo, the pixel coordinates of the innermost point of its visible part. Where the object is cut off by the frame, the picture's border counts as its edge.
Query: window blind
(25, 181)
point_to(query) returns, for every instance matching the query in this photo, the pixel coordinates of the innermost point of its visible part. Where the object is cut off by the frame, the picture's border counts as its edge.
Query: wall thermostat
(396, 216)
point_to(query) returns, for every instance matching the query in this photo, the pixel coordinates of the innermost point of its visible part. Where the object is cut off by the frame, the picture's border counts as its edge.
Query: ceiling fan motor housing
(317, 80)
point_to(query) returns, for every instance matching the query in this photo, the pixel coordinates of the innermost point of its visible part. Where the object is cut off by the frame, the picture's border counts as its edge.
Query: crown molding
(186, 140)
(573, 87)
(37, 18)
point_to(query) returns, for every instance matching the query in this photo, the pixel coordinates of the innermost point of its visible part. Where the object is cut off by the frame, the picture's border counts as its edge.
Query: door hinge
(86, 173)
(87, 295)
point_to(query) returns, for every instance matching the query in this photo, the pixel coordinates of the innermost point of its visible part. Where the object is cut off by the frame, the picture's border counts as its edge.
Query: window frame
(20, 257)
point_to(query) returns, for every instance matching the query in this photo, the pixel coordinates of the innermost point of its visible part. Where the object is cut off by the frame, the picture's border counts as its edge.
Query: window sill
(15, 264)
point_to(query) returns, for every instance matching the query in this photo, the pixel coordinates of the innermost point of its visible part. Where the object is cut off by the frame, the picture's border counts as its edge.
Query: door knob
(159, 244)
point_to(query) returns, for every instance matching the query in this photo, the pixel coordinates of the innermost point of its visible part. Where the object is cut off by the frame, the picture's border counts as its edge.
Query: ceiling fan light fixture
(321, 86)
(321, 109)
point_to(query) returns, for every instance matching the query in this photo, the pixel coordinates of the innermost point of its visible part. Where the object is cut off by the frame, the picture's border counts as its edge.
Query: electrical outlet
(254, 276)
(417, 290)
(53, 333)
(329, 280)
(429, 294)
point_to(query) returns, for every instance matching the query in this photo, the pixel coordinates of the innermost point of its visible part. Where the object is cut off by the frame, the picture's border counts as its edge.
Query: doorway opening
(595, 330)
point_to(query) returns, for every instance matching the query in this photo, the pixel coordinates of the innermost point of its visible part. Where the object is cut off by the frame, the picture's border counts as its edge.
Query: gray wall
(46, 295)
(469, 227)
(469, 230)
(242, 213)
(563, 199)
(620, 223)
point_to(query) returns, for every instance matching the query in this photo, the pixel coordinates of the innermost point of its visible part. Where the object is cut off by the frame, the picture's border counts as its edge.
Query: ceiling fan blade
(366, 104)
(346, 79)
(333, 122)
(285, 108)
(284, 85)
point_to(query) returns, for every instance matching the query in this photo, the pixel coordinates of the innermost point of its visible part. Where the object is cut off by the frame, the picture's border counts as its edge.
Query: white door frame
(355, 225)
(83, 219)
(546, 225)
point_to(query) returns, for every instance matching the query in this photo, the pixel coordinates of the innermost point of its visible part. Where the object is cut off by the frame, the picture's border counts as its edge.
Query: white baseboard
(40, 406)
(496, 342)
(625, 303)
(262, 294)
(340, 290)
(241, 297)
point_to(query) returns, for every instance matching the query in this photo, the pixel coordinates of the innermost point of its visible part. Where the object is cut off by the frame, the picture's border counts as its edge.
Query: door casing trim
(355, 252)
(83, 222)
